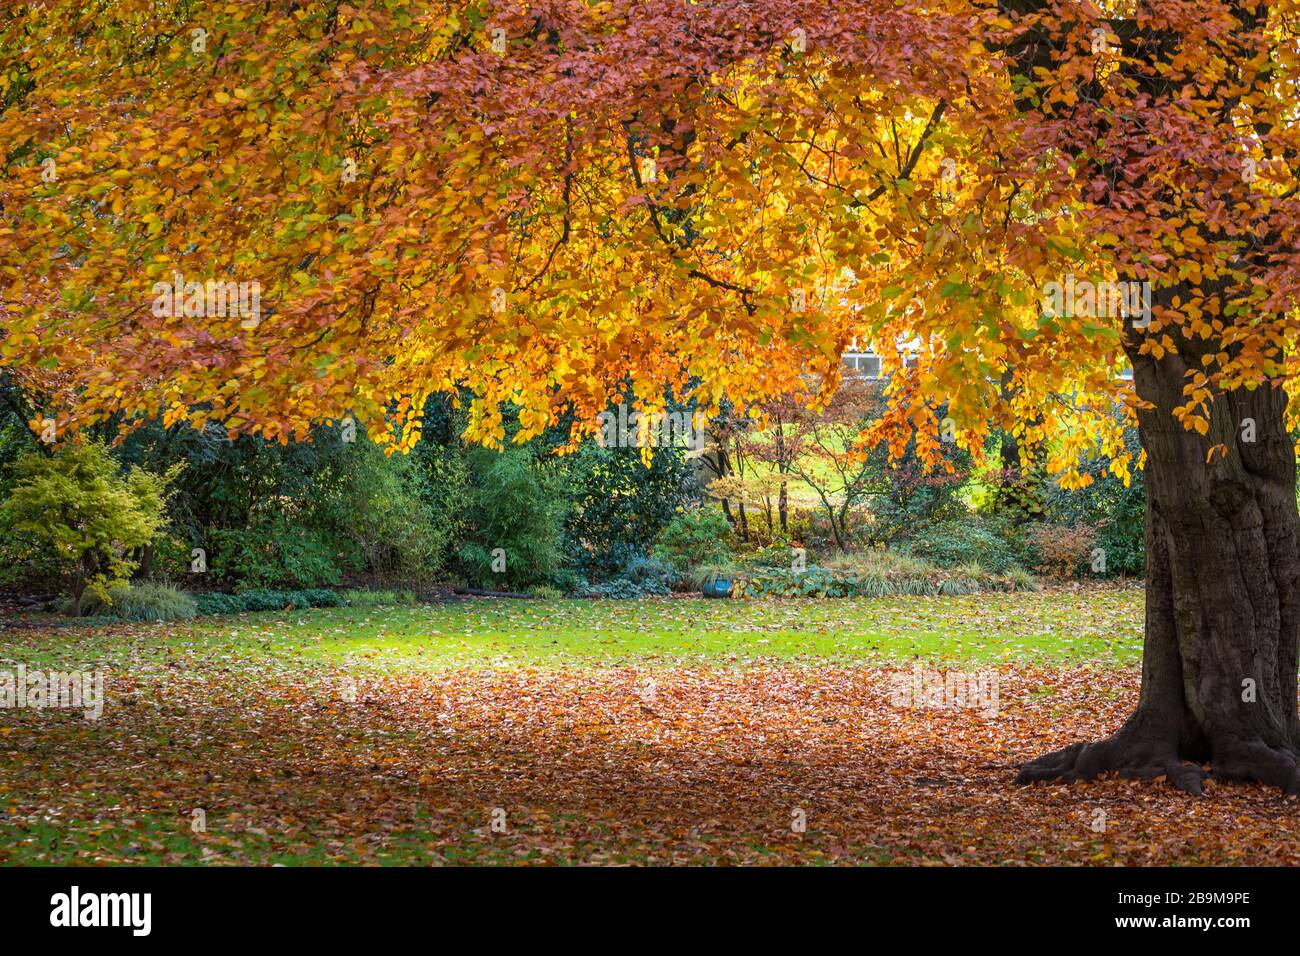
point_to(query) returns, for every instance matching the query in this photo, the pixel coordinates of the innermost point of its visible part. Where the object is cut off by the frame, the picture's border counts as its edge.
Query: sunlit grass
(1098, 625)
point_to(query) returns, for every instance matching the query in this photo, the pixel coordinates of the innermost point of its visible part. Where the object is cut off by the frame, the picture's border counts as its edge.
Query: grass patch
(1100, 624)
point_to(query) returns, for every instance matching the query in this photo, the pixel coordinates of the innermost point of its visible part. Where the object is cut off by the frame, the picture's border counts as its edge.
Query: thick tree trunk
(1223, 598)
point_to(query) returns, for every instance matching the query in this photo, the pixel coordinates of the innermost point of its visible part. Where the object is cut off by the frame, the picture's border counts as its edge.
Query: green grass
(1096, 624)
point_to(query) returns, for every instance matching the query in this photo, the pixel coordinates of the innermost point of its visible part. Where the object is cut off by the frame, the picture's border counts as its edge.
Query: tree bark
(1223, 597)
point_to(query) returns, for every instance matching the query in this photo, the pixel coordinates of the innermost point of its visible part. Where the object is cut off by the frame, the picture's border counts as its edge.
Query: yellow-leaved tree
(268, 215)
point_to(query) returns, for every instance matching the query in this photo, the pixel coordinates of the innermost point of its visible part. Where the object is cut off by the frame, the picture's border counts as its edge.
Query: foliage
(697, 576)
(823, 448)
(952, 543)
(1020, 492)
(882, 561)
(656, 206)
(1116, 510)
(620, 503)
(516, 514)
(279, 549)
(822, 582)
(307, 513)
(642, 577)
(91, 519)
(396, 518)
(775, 555)
(265, 600)
(356, 597)
(146, 601)
(1063, 552)
(695, 536)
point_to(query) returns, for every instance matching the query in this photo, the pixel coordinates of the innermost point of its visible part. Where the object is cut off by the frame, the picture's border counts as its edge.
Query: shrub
(368, 598)
(642, 577)
(399, 516)
(1063, 551)
(278, 549)
(1018, 579)
(619, 505)
(1020, 494)
(77, 508)
(148, 601)
(1116, 511)
(952, 543)
(517, 506)
(265, 600)
(881, 561)
(697, 536)
(914, 578)
(307, 513)
(214, 602)
(778, 554)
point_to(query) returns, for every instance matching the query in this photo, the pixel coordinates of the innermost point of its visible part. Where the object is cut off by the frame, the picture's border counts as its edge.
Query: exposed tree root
(1125, 754)
(1254, 761)
(1235, 759)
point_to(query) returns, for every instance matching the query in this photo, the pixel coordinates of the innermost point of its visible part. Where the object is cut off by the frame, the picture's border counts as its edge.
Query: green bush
(619, 505)
(397, 515)
(953, 543)
(215, 602)
(148, 601)
(308, 513)
(77, 508)
(823, 582)
(516, 505)
(279, 549)
(265, 600)
(642, 577)
(697, 536)
(368, 598)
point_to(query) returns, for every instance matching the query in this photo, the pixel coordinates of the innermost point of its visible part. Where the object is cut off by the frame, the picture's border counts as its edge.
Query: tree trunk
(1223, 597)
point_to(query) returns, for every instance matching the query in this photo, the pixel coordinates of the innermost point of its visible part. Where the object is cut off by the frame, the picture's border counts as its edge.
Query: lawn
(1091, 624)
(662, 731)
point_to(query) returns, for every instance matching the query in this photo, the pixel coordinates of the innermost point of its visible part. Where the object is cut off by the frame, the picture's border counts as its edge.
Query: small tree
(824, 452)
(90, 517)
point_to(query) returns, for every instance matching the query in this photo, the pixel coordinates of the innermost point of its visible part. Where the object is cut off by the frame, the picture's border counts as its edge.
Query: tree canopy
(560, 204)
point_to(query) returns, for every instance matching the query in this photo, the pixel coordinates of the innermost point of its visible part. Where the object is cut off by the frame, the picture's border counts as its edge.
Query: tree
(90, 518)
(824, 451)
(270, 215)
(776, 446)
